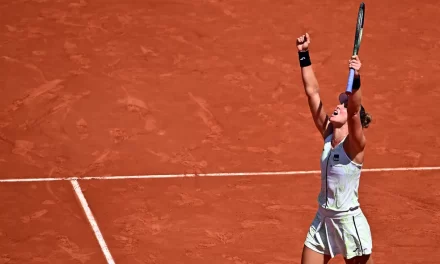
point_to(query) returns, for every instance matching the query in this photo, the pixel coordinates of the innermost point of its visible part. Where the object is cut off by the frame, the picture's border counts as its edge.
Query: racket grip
(350, 81)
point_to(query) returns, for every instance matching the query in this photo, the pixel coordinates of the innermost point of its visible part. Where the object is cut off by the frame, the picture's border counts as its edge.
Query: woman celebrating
(339, 226)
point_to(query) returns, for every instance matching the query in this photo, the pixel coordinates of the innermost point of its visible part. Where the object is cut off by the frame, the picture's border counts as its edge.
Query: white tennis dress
(339, 226)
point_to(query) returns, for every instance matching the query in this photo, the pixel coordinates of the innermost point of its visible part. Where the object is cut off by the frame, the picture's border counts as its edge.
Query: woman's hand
(302, 43)
(355, 63)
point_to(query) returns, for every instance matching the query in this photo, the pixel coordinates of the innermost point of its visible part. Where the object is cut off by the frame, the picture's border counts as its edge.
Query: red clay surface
(257, 219)
(97, 87)
(152, 87)
(43, 223)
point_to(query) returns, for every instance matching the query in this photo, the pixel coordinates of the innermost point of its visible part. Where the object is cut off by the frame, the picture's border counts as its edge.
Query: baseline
(219, 174)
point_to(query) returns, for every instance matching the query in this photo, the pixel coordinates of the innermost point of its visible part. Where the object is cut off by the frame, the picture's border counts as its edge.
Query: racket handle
(350, 81)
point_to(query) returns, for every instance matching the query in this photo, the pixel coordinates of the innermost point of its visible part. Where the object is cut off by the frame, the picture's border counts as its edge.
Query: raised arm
(356, 134)
(311, 87)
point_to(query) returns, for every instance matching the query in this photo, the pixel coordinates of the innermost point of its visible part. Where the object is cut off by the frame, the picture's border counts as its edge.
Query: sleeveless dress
(339, 226)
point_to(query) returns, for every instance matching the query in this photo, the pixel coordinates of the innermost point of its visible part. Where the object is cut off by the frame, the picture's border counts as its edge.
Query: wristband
(356, 83)
(304, 59)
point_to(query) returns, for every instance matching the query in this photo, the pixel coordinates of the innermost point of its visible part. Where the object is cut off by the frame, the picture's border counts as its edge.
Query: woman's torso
(339, 178)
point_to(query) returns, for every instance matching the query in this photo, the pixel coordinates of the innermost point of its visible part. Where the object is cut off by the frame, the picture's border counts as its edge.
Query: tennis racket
(357, 43)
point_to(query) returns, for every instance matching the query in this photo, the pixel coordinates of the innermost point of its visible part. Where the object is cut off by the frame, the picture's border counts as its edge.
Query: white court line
(92, 221)
(220, 174)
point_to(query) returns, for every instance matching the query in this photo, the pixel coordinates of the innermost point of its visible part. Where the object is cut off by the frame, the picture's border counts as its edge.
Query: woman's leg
(312, 257)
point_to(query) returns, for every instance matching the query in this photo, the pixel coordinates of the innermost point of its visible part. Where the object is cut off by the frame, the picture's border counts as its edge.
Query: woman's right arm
(311, 87)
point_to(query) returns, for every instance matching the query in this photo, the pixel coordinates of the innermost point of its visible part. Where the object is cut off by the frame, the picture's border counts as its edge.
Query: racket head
(359, 29)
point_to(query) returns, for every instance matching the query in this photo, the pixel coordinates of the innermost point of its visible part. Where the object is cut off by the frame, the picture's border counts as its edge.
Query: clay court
(184, 128)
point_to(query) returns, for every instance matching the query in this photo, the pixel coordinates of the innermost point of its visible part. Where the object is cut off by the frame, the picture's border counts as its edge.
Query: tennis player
(339, 226)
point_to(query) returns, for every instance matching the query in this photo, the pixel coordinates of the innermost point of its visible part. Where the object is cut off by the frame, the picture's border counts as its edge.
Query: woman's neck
(339, 133)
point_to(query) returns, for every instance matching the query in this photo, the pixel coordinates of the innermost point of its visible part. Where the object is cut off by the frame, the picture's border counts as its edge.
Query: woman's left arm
(356, 134)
